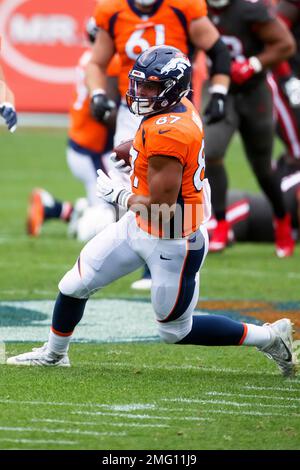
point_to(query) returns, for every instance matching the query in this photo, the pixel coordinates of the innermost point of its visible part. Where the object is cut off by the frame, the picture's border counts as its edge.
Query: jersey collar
(140, 13)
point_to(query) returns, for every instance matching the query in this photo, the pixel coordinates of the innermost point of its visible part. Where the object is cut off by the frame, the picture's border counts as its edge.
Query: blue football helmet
(159, 79)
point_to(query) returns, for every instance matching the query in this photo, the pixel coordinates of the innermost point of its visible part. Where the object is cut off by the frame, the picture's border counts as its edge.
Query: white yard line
(133, 416)
(275, 389)
(227, 403)
(37, 441)
(99, 423)
(60, 431)
(131, 406)
(246, 413)
(247, 395)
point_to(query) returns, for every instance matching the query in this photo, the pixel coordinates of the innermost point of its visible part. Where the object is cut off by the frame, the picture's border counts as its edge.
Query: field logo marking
(126, 320)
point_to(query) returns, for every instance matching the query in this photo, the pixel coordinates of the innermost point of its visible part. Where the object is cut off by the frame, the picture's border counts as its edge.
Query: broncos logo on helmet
(177, 63)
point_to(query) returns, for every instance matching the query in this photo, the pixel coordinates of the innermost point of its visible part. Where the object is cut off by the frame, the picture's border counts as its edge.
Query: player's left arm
(164, 181)
(279, 43)
(5, 92)
(204, 35)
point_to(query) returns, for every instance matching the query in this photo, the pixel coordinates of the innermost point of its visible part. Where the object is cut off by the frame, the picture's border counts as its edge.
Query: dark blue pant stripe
(192, 265)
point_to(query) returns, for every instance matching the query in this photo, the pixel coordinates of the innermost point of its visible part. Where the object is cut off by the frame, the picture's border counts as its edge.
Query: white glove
(119, 165)
(292, 91)
(8, 112)
(112, 191)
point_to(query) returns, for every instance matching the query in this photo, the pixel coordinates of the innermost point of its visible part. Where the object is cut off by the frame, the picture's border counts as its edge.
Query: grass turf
(228, 398)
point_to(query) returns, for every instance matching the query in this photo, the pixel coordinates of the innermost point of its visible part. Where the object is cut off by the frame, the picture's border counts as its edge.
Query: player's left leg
(257, 130)
(107, 257)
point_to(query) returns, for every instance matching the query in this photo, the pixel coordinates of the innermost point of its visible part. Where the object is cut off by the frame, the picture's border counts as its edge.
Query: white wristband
(123, 198)
(98, 91)
(255, 64)
(218, 88)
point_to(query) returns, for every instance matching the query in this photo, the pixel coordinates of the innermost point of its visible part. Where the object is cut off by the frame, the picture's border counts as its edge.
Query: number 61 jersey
(178, 134)
(133, 32)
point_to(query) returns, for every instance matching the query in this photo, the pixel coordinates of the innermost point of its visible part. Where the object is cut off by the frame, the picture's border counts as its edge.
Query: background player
(89, 144)
(168, 159)
(285, 85)
(129, 28)
(257, 40)
(7, 101)
(250, 215)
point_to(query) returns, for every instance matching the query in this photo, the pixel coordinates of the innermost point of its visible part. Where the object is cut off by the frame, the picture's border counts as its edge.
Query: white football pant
(127, 124)
(174, 264)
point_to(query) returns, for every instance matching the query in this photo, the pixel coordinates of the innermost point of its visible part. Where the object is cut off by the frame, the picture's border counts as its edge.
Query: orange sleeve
(114, 67)
(166, 141)
(195, 9)
(103, 13)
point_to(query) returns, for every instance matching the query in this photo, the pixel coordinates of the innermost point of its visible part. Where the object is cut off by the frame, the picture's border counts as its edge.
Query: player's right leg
(43, 206)
(175, 269)
(217, 139)
(104, 259)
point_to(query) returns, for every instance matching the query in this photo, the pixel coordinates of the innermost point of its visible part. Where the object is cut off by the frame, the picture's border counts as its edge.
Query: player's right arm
(102, 53)
(7, 102)
(164, 182)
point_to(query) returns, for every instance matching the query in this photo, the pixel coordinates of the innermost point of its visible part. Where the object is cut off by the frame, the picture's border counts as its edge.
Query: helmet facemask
(146, 3)
(218, 3)
(146, 97)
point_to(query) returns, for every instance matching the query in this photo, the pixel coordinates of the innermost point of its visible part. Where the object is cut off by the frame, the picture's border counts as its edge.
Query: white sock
(58, 344)
(259, 336)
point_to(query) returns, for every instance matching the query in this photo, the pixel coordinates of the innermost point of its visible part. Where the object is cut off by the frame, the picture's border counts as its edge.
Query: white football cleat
(281, 347)
(40, 357)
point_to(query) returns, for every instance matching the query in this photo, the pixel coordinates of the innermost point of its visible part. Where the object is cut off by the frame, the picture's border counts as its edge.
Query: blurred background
(41, 45)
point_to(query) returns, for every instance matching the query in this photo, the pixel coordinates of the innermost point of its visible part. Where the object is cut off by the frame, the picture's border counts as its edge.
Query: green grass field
(135, 394)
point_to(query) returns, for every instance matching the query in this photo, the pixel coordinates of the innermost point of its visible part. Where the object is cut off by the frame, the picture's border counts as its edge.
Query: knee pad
(71, 284)
(174, 331)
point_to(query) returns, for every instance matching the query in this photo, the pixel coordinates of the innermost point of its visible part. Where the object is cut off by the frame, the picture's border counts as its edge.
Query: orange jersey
(133, 32)
(179, 134)
(84, 129)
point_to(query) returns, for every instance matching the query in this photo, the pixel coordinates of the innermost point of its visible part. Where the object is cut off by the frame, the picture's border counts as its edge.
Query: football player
(289, 12)
(257, 40)
(250, 215)
(7, 100)
(167, 207)
(129, 27)
(285, 85)
(89, 144)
